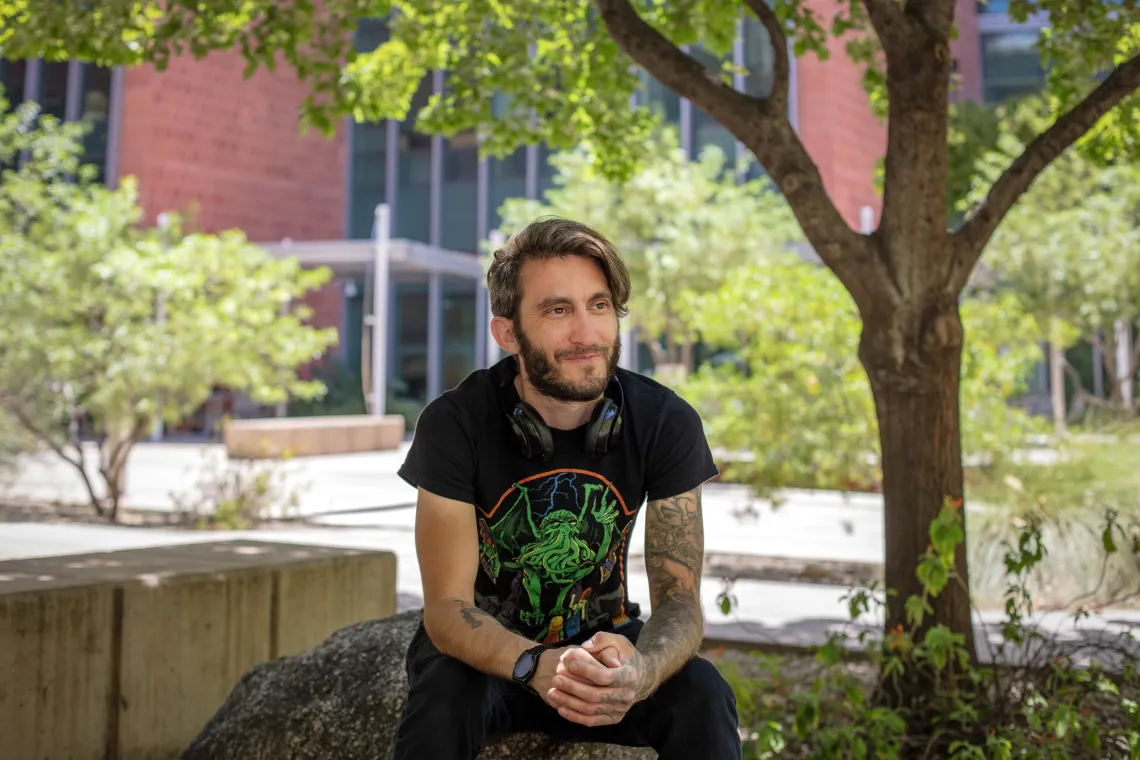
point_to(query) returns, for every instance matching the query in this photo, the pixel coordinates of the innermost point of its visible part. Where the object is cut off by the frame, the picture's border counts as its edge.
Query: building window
(506, 177)
(707, 131)
(369, 167)
(369, 176)
(459, 197)
(458, 347)
(993, 7)
(413, 204)
(95, 110)
(659, 98)
(1011, 65)
(12, 75)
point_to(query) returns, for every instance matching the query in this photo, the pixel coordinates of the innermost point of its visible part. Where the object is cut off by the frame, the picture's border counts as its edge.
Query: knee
(701, 688)
(448, 690)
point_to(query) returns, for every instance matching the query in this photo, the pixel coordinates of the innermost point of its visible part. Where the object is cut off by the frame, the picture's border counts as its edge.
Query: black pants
(452, 708)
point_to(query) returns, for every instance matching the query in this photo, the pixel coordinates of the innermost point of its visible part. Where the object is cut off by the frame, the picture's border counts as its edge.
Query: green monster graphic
(559, 555)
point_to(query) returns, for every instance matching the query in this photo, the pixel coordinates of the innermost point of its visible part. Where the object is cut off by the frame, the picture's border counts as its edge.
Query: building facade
(200, 136)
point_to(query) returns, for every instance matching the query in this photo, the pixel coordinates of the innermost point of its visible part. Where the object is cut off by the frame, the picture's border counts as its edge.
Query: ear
(504, 334)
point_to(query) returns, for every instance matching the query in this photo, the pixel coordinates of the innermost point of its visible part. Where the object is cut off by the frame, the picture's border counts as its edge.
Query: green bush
(1039, 698)
(802, 408)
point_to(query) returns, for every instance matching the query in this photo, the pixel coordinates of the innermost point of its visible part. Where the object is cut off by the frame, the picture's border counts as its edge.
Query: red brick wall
(967, 52)
(836, 124)
(199, 135)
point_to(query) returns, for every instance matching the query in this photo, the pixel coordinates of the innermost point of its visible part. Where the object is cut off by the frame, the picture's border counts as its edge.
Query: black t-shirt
(554, 535)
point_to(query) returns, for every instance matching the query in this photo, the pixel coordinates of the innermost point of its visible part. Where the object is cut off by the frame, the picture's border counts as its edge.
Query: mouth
(582, 359)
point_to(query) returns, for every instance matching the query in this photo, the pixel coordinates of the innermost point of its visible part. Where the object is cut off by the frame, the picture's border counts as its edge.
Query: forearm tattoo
(473, 616)
(674, 558)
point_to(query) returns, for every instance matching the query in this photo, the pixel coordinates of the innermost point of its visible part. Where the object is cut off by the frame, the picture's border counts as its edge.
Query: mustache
(582, 352)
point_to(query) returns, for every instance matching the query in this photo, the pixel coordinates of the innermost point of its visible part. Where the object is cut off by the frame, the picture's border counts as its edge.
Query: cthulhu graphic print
(554, 549)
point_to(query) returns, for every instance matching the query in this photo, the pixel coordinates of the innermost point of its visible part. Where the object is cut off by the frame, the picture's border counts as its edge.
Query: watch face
(524, 665)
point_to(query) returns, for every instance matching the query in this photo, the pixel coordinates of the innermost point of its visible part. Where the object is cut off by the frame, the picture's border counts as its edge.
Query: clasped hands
(595, 684)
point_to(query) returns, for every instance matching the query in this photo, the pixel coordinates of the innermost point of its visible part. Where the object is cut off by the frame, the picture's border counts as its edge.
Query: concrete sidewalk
(359, 501)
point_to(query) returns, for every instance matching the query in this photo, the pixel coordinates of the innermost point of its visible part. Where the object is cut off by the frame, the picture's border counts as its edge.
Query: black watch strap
(523, 679)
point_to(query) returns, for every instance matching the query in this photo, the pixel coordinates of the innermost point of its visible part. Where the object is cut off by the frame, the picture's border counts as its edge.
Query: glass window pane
(707, 132)
(53, 93)
(459, 212)
(369, 176)
(993, 6)
(407, 377)
(413, 198)
(12, 75)
(506, 177)
(96, 111)
(659, 98)
(1011, 65)
(458, 332)
(759, 59)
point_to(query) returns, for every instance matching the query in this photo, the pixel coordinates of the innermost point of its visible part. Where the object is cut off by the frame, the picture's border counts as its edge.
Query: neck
(560, 415)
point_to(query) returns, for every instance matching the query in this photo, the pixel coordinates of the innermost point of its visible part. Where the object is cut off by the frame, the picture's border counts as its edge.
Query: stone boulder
(342, 700)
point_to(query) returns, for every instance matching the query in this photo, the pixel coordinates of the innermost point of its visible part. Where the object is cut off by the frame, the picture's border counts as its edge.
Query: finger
(588, 692)
(582, 664)
(587, 713)
(609, 656)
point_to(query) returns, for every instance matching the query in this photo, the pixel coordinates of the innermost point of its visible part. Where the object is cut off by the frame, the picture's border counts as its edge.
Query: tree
(802, 404)
(567, 70)
(109, 327)
(1070, 251)
(682, 226)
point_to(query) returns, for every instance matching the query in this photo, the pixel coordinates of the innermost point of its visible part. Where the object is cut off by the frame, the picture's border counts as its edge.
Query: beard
(543, 372)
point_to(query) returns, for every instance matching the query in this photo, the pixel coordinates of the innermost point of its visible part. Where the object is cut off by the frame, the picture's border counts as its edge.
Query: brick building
(199, 134)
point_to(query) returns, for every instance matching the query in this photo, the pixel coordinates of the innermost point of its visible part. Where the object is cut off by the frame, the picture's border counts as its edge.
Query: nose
(585, 331)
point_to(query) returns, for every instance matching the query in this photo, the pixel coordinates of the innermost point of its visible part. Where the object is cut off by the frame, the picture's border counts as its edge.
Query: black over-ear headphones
(533, 436)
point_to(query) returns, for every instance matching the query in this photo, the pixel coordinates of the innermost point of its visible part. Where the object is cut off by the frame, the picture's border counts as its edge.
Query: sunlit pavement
(358, 501)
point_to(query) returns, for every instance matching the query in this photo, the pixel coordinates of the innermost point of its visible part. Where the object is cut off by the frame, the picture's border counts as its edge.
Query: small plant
(236, 495)
(1038, 697)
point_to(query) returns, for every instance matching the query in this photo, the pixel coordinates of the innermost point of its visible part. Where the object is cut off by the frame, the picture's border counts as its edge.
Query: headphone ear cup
(604, 426)
(535, 440)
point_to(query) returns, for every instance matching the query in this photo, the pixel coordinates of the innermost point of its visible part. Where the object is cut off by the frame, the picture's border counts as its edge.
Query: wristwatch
(525, 667)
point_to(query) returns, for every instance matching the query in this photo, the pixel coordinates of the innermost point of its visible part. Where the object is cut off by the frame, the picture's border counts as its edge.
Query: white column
(494, 353)
(379, 318)
(435, 334)
(1124, 359)
(628, 348)
(482, 328)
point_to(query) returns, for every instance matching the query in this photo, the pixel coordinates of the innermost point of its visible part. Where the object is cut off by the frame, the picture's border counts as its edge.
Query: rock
(342, 700)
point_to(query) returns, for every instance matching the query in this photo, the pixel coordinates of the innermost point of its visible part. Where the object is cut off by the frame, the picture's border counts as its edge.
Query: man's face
(567, 328)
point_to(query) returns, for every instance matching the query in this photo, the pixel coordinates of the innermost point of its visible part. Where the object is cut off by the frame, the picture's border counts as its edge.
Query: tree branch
(781, 66)
(888, 20)
(971, 239)
(763, 126)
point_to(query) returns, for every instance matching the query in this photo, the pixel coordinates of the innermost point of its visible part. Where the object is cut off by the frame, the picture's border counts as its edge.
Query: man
(530, 476)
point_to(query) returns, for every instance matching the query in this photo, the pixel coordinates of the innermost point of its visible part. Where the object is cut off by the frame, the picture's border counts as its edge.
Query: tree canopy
(683, 227)
(110, 326)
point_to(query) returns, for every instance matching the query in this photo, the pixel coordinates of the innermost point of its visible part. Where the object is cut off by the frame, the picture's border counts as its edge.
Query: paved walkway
(359, 501)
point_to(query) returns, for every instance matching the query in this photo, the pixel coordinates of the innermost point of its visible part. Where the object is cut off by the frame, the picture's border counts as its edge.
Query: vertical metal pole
(435, 335)
(380, 311)
(158, 430)
(493, 350)
(1124, 360)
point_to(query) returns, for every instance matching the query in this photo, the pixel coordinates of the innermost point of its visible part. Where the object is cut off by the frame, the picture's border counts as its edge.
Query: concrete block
(57, 662)
(126, 655)
(307, 613)
(186, 642)
(276, 437)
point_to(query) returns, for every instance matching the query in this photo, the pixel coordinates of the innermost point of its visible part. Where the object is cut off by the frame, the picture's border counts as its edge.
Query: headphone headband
(532, 435)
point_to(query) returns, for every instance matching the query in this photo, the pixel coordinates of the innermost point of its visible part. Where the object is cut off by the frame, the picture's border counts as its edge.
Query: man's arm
(674, 558)
(447, 546)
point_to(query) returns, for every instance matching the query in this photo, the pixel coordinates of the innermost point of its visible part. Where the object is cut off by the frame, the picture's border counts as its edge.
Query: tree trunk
(1057, 385)
(913, 358)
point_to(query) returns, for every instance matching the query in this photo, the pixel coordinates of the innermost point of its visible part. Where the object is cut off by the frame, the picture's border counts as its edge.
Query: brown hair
(545, 238)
